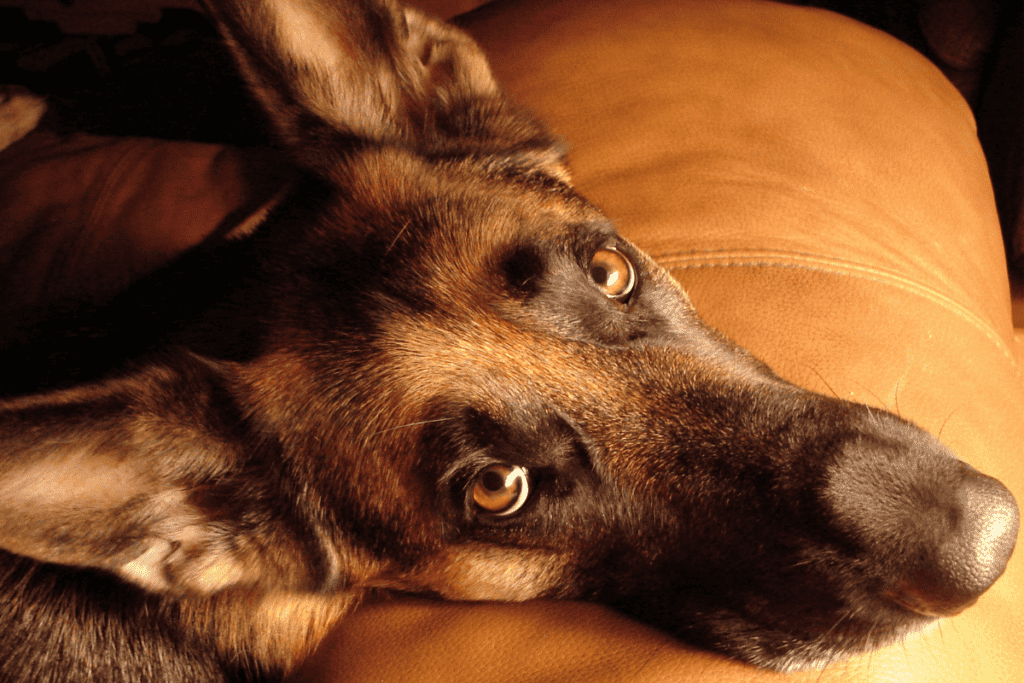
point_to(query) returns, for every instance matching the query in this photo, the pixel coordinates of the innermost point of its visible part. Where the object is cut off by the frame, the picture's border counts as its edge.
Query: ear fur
(134, 475)
(333, 74)
(369, 69)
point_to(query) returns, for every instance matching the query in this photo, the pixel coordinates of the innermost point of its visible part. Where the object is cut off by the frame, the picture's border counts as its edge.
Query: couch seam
(773, 258)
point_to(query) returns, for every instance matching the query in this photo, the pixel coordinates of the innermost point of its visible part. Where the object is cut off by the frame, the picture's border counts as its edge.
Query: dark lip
(832, 645)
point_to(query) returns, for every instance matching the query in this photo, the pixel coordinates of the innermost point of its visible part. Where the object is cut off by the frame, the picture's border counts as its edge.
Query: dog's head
(438, 369)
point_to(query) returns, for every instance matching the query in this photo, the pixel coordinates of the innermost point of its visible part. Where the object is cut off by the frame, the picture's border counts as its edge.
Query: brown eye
(613, 273)
(501, 489)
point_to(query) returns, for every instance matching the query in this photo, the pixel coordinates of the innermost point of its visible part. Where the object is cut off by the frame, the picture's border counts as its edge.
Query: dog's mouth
(798, 622)
(785, 652)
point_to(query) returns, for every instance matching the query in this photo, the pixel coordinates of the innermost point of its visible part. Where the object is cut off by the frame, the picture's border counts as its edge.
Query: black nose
(933, 532)
(969, 553)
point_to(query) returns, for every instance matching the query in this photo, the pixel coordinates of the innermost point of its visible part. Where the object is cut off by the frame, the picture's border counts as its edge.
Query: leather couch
(816, 185)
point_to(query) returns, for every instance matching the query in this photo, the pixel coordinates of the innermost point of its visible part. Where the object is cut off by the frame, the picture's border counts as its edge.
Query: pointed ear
(373, 70)
(135, 476)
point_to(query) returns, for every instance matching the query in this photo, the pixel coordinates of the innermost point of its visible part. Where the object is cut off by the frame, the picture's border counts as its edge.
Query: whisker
(411, 424)
(834, 626)
(943, 426)
(397, 237)
(832, 657)
(812, 369)
(881, 403)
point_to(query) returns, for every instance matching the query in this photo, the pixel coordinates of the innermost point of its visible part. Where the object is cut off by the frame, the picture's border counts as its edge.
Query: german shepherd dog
(436, 369)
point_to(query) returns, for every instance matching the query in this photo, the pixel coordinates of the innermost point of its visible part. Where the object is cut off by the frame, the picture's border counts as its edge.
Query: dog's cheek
(484, 572)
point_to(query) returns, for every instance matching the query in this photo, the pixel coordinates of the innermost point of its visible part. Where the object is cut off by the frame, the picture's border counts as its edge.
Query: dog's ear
(136, 476)
(374, 70)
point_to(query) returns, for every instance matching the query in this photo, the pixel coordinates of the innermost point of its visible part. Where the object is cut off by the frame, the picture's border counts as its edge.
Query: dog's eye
(501, 489)
(613, 273)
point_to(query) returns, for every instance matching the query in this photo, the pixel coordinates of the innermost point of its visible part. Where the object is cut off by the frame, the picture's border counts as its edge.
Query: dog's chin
(782, 651)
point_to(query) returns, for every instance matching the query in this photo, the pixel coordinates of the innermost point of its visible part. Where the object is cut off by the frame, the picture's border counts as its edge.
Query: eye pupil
(612, 273)
(501, 489)
(492, 481)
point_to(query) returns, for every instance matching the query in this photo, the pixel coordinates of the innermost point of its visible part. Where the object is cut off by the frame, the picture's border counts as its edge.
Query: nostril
(969, 558)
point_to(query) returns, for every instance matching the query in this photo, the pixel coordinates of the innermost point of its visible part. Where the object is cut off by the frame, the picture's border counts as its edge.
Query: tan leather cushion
(818, 188)
(82, 216)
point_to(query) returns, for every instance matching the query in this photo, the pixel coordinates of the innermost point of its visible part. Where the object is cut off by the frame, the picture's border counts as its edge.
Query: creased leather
(84, 215)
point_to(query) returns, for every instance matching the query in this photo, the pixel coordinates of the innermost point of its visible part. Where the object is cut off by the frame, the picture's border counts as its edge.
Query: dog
(436, 369)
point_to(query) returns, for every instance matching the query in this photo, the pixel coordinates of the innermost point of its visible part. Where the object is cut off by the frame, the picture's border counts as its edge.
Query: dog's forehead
(468, 204)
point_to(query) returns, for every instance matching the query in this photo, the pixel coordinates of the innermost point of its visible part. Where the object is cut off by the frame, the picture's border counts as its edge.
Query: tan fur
(281, 628)
(486, 572)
